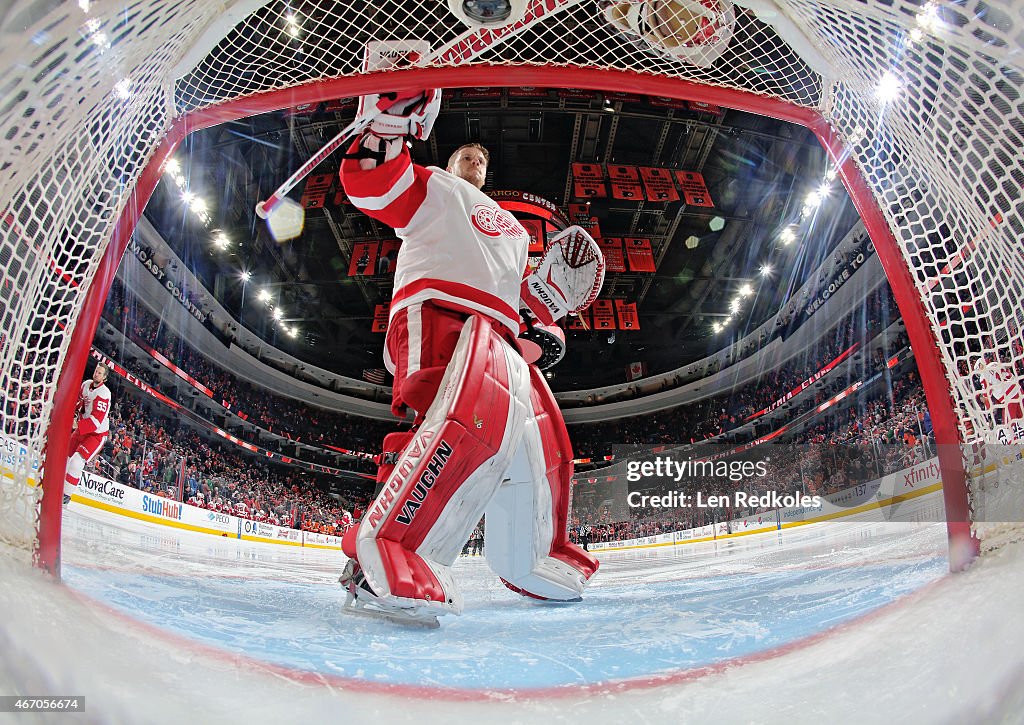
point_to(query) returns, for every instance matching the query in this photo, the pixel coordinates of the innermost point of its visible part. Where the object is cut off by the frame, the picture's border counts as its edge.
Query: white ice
(845, 622)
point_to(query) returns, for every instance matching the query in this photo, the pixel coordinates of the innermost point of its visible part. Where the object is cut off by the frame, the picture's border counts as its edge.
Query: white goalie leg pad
(525, 539)
(76, 464)
(446, 475)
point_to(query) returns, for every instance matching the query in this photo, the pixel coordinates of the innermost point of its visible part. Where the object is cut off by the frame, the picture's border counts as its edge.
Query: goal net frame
(959, 420)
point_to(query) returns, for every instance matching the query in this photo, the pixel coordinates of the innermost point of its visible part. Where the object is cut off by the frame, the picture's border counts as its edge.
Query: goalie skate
(360, 601)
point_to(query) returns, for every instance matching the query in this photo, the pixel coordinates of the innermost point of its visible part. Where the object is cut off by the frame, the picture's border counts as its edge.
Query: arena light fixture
(746, 289)
(928, 18)
(263, 296)
(766, 270)
(692, 241)
(123, 89)
(277, 313)
(245, 275)
(889, 88)
(716, 224)
(787, 236)
(221, 241)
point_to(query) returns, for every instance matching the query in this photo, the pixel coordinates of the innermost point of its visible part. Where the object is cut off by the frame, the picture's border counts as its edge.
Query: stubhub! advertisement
(101, 492)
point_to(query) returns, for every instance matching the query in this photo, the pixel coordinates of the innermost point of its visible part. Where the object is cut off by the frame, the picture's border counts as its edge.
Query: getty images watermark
(705, 483)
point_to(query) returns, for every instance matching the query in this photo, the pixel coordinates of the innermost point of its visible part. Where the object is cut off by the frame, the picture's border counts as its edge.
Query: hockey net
(919, 104)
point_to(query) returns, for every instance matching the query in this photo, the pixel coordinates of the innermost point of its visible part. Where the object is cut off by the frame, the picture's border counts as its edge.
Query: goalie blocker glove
(568, 278)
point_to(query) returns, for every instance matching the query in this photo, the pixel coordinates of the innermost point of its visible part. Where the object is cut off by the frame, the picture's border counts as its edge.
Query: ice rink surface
(851, 621)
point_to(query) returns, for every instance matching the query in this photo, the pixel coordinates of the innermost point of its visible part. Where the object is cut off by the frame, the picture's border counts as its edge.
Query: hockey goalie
(488, 437)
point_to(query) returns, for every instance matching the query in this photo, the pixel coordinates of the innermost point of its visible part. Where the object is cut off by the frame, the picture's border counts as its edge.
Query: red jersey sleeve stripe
(390, 193)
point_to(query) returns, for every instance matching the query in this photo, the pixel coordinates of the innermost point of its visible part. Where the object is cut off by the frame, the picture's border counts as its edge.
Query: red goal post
(922, 203)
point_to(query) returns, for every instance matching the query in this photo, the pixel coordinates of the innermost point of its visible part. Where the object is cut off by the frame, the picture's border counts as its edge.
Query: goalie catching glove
(568, 278)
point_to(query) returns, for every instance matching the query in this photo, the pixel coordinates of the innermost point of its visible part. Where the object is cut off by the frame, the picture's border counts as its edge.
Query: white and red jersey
(458, 246)
(1003, 388)
(94, 409)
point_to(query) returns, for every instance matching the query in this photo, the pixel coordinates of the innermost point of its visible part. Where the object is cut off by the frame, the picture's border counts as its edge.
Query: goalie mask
(694, 31)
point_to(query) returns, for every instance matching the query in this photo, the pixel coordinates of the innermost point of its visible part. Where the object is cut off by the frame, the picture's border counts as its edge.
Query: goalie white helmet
(488, 13)
(695, 31)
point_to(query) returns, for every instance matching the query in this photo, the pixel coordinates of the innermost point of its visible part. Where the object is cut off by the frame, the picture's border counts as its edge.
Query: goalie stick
(467, 46)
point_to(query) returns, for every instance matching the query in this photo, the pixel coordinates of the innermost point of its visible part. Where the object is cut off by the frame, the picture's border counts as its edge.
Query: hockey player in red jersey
(92, 424)
(489, 437)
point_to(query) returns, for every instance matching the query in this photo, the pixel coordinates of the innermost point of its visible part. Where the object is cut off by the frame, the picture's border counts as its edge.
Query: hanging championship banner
(591, 172)
(611, 247)
(341, 104)
(623, 97)
(640, 255)
(527, 92)
(604, 315)
(314, 195)
(658, 184)
(380, 318)
(695, 192)
(364, 258)
(478, 93)
(663, 102)
(628, 318)
(702, 107)
(303, 109)
(589, 189)
(388, 256)
(579, 214)
(625, 182)
(574, 94)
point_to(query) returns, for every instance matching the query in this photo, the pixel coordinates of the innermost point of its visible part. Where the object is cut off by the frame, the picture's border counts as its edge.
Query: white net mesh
(925, 96)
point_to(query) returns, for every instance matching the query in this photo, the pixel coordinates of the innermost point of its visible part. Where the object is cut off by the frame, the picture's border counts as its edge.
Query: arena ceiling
(758, 173)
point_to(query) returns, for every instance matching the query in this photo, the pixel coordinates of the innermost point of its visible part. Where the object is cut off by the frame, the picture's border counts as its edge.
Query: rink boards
(102, 493)
(878, 500)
